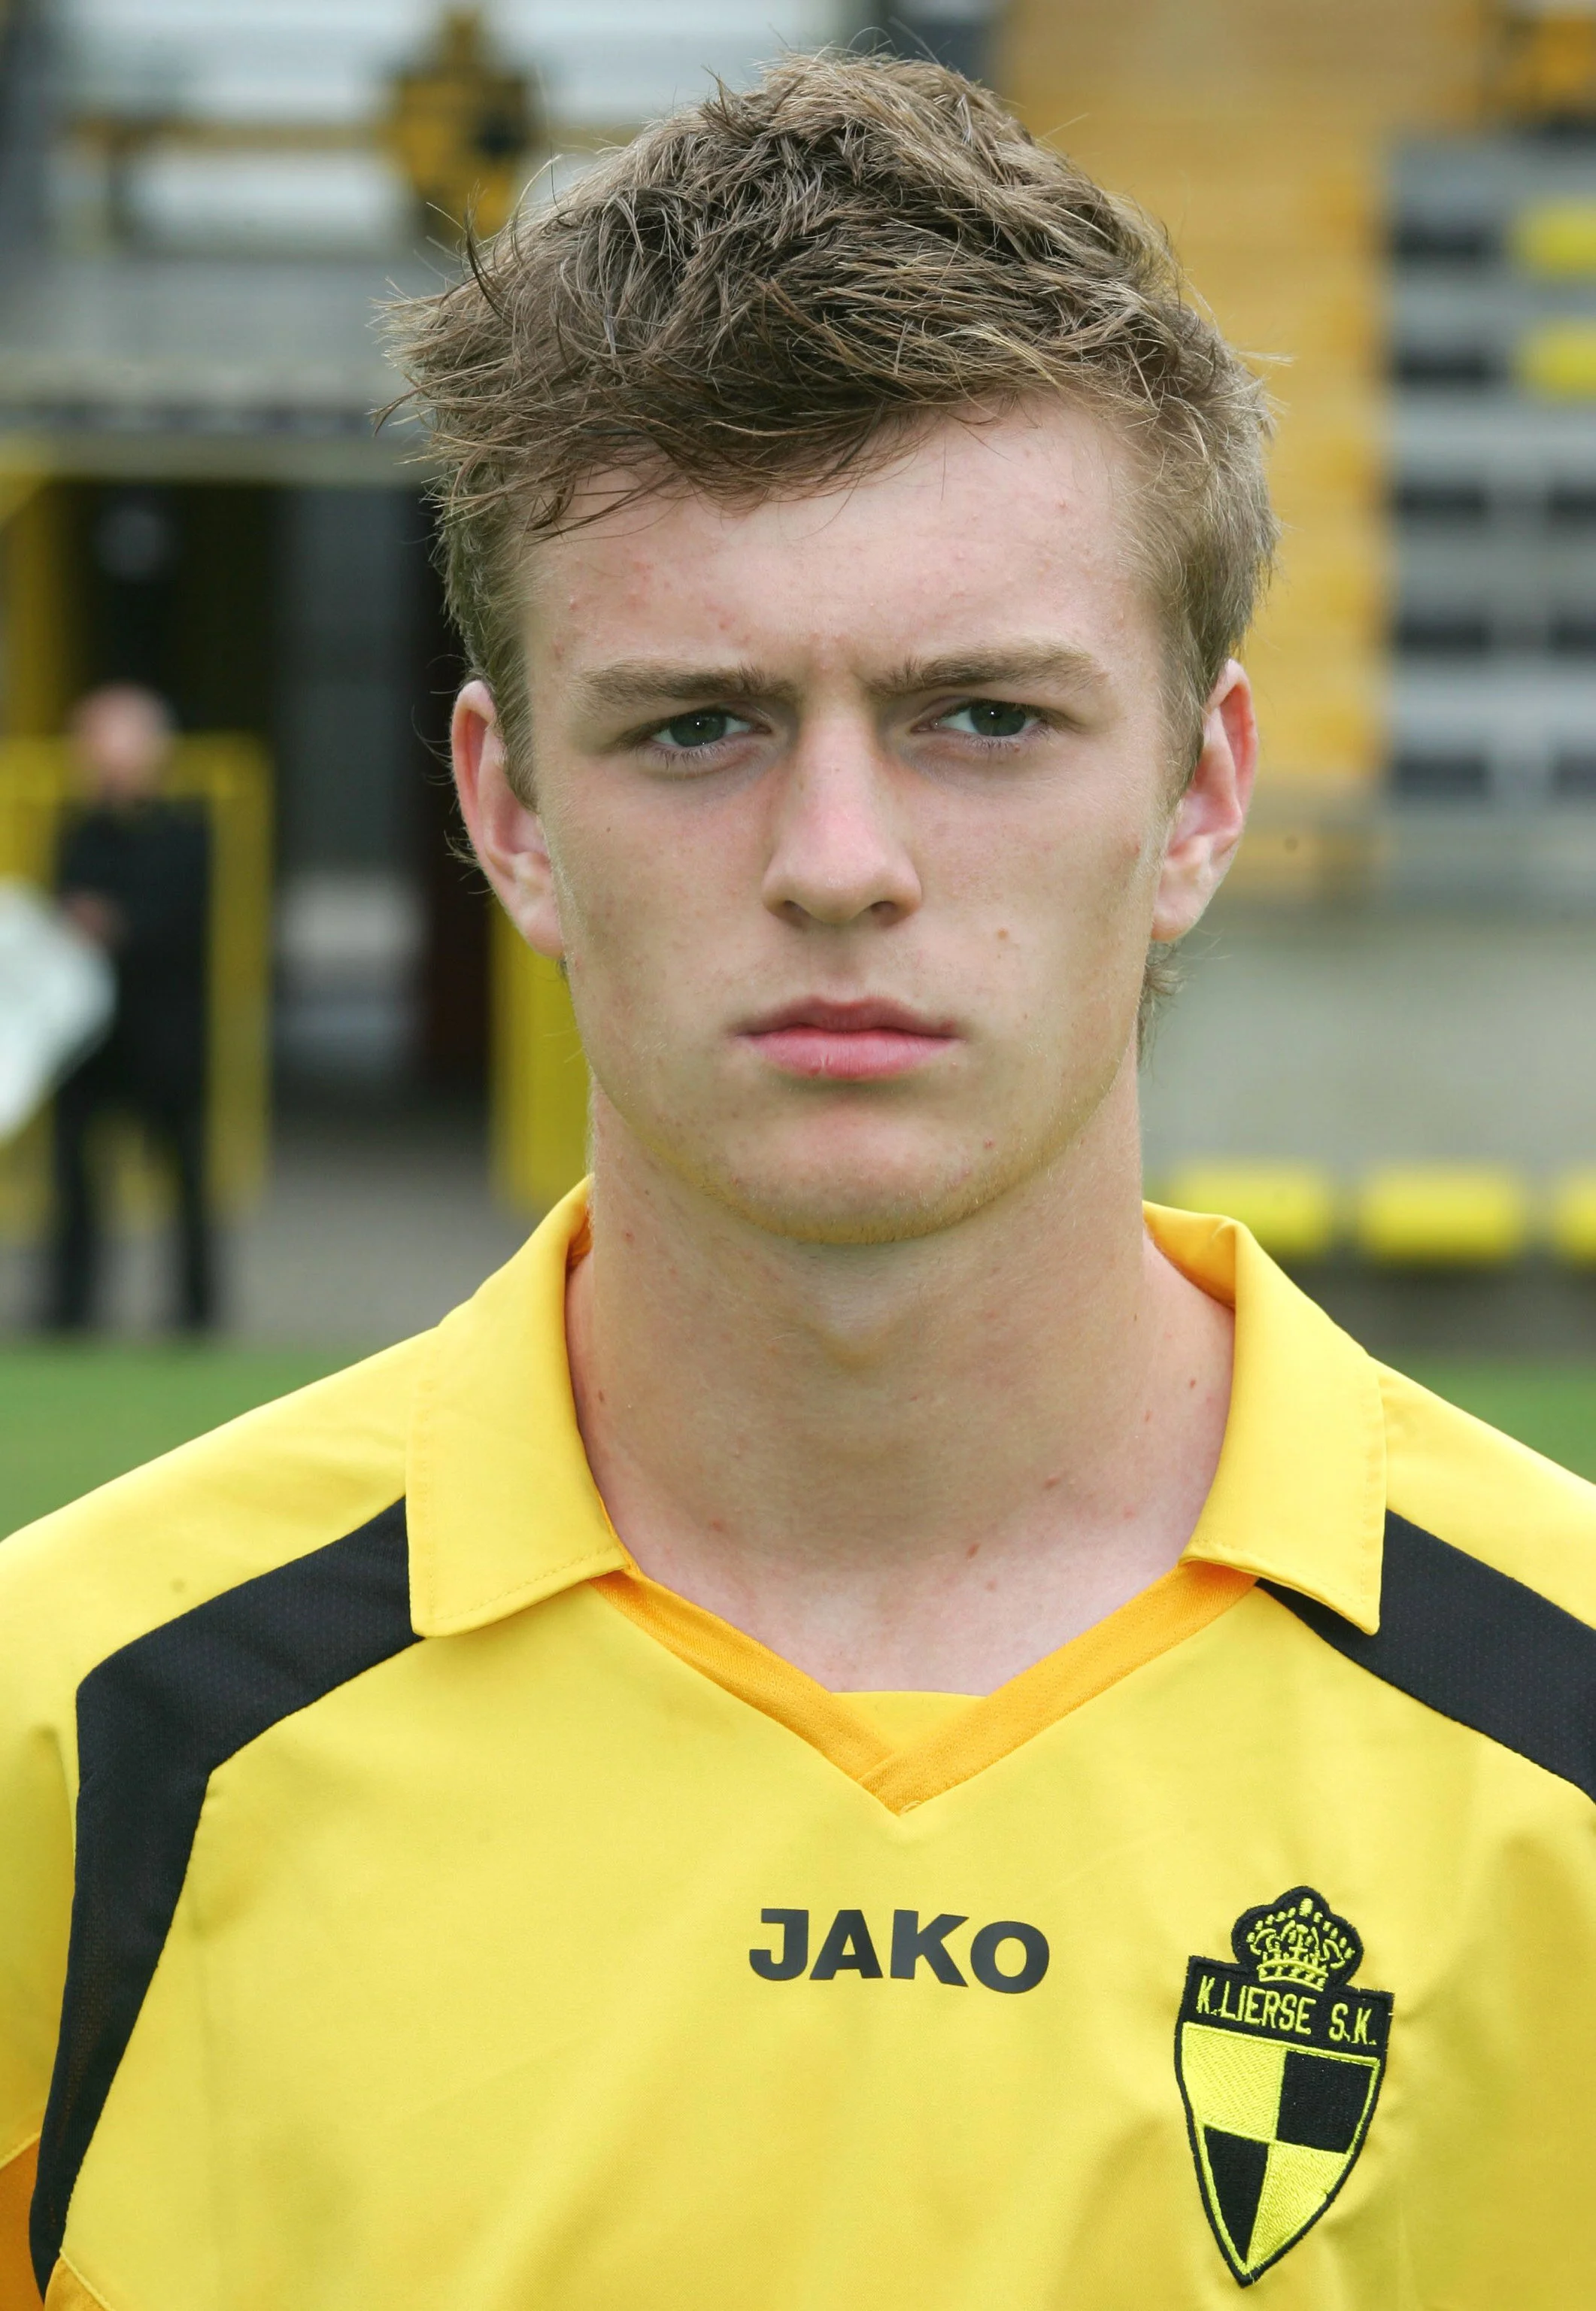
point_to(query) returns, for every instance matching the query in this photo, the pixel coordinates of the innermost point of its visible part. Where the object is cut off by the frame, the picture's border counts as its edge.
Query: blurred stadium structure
(1384, 1052)
(1385, 1048)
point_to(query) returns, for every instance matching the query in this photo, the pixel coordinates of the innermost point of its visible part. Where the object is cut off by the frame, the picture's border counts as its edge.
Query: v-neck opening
(990, 1727)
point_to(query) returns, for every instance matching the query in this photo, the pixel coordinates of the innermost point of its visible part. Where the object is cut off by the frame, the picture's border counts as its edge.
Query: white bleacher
(602, 62)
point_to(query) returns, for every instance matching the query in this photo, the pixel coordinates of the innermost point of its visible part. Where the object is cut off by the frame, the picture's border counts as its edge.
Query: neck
(916, 1464)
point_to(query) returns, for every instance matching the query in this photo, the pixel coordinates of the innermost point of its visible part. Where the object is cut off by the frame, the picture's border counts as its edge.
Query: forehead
(977, 522)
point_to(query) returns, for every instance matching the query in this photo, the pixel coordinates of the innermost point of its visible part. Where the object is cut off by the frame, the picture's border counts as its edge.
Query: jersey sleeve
(35, 1914)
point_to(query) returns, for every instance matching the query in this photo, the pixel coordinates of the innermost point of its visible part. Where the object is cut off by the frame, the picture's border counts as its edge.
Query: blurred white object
(335, 204)
(56, 997)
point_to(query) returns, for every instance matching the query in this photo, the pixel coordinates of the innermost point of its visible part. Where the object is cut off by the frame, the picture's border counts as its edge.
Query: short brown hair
(762, 291)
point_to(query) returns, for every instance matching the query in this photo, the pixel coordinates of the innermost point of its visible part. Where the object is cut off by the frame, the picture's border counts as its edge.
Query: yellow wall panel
(1419, 59)
(1259, 132)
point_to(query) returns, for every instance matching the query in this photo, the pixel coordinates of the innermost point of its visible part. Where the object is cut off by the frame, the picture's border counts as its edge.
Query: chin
(851, 1177)
(863, 1200)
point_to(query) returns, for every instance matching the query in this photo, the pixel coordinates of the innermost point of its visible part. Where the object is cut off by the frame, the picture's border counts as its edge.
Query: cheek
(1127, 857)
(1064, 966)
(1090, 889)
(640, 900)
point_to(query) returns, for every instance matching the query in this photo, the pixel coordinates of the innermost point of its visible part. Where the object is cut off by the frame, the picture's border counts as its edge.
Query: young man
(866, 1726)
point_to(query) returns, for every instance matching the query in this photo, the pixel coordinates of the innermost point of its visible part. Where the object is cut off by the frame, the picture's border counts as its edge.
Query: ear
(1207, 823)
(506, 833)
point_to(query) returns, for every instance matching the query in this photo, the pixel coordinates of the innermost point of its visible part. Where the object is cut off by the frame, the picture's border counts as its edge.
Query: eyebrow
(1015, 666)
(642, 681)
(633, 684)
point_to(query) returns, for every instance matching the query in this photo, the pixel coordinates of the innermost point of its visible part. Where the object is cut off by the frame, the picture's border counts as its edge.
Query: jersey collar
(500, 1500)
(503, 1511)
(1299, 1494)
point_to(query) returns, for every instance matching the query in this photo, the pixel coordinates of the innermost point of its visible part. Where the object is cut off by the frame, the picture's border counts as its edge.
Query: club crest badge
(1279, 2058)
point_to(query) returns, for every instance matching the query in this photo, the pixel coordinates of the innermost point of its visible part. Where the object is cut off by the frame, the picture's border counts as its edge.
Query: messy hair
(766, 291)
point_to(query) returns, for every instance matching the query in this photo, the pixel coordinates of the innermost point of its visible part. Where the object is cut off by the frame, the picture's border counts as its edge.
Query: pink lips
(848, 1043)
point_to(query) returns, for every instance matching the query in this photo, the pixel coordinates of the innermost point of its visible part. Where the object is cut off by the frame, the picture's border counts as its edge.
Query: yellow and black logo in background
(1279, 2060)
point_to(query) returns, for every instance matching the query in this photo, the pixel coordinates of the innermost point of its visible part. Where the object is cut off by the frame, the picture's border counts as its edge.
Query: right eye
(706, 726)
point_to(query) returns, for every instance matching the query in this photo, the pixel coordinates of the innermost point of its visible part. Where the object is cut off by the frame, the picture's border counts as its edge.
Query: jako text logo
(1008, 1955)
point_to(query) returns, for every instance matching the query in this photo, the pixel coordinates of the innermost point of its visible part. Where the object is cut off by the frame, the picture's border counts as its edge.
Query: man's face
(851, 821)
(122, 739)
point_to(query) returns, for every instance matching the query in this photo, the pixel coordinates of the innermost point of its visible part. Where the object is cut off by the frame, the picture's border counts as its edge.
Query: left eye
(988, 718)
(706, 728)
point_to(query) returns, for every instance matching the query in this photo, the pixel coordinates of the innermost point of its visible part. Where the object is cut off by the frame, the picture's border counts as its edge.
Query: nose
(839, 851)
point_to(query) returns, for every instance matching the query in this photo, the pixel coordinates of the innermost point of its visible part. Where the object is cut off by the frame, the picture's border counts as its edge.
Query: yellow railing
(1402, 1215)
(227, 774)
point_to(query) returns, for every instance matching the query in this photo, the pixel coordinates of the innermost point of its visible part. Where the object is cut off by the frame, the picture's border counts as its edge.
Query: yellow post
(229, 774)
(540, 1077)
(38, 652)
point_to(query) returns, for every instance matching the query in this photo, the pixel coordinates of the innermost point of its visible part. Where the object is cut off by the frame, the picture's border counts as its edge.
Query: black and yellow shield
(1279, 2060)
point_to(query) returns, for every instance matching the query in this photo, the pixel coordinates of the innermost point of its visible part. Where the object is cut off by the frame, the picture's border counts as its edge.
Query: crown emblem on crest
(1298, 1939)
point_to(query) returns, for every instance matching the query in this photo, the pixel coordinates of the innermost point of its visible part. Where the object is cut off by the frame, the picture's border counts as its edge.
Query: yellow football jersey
(406, 1903)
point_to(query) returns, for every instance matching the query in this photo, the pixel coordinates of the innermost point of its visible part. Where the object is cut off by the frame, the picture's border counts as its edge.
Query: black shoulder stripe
(1479, 1647)
(154, 1721)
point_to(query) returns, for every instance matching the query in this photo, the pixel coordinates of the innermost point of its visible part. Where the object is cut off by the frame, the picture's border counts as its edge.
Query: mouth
(848, 1043)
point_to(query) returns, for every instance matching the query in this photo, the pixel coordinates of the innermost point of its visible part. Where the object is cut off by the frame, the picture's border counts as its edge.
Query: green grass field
(70, 1418)
(1551, 1406)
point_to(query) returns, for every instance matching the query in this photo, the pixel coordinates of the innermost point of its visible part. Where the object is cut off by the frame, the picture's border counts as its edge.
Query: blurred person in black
(133, 872)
